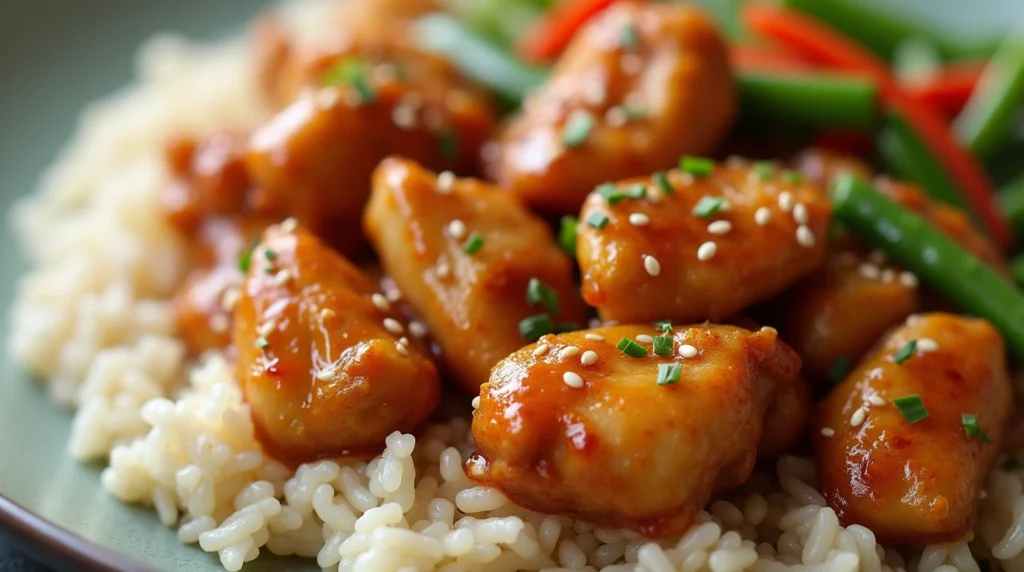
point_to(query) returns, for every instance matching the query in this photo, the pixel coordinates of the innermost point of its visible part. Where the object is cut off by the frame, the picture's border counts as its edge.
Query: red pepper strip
(551, 33)
(817, 42)
(948, 90)
(765, 58)
(856, 143)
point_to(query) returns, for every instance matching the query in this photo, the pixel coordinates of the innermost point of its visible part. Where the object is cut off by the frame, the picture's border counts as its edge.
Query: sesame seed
(594, 337)
(726, 205)
(804, 236)
(393, 294)
(927, 345)
(645, 339)
(394, 326)
(282, 277)
(541, 350)
(568, 352)
(219, 323)
(445, 182)
(457, 229)
(687, 351)
(762, 216)
(404, 341)
(888, 275)
(443, 269)
(326, 374)
(595, 93)
(858, 417)
(616, 116)
(828, 432)
(908, 279)
(290, 224)
(402, 349)
(381, 302)
(876, 400)
(417, 329)
(652, 266)
(572, 379)
(476, 402)
(877, 256)
(326, 313)
(230, 299)
(639, 219)
(267, 328)
(404, 116)
(589, 357)
(786, 201)
(720, 227)
(800, 213)
(869, 271)
(707, 250)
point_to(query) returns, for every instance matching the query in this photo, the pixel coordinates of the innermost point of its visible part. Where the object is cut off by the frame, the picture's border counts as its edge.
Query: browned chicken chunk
(916, 480)
(640, 85)
(574, 426)
(326, 368)
(713, 245)
(465, 255)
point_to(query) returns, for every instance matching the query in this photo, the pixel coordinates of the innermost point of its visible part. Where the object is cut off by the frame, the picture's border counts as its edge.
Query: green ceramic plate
(56, 55)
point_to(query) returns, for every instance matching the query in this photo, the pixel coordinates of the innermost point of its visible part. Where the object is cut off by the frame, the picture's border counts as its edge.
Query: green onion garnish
(661, 179)
(635, 112)
(448, 144)
(567, 235)
(665, 326)
(629, 37)
(598, 220)
(636, 191)
(792, 177)
(764, 170)
(839, 368)
(911, 408)
(905, 353)
(269, 254)
(708, 206)
(534, 327)
(245, 257)
(352, 72)
(261, 342)
(696, 166)
(577, 128)
(610, 193)
(538, 292)
(662, 346)
(473, 244)
(972, 429)
(668, 373)
(631, 348)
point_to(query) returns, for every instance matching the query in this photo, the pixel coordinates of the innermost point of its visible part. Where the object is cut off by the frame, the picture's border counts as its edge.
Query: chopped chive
(269, 254)
(1012, 463)
(473, 244)
(665, 326)
(696, 166)
(245, 257)
(567, 234)
(905, 353)
(598, 220)
(708, 206)
(764, 170)
(261, 342)
(629, 37)
(631, 348)
(448, 144)
(661, 179)
(610, 193)
(352, 72)
(534, 327)
(636, 191)
(839, 368)
(972, 429)
(668, 373)
(563, 327)
(538, 292)
(792, 177)
(662, 346)
(635, 112)
(911, 408)
(577, 128)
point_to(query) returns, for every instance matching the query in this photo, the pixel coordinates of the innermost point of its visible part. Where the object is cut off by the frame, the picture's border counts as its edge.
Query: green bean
(984, 121)
(906, 157)
(1017, 268)
(819, 100)
(936, 258)
(1011, 199)
(477, 58)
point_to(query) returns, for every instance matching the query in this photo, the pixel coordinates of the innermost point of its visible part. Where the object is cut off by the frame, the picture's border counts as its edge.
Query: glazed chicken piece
(714, 245)
(362, 102)
(584, 430)
(210, 179)
(787, 419)
(916, 483)
(464, 255)
(639, 86)
(324, 364)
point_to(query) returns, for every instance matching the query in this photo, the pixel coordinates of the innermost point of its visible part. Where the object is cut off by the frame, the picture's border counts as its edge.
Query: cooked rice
(92, 320)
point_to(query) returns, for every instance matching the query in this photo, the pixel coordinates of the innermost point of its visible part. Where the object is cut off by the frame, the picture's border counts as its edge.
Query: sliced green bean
(984, 121)
(906, 157)
(1017, 268)
(818, 100)
(933, 256)
(1011, 199)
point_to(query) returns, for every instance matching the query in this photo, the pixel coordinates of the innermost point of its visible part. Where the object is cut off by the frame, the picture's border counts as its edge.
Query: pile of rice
(92, 319)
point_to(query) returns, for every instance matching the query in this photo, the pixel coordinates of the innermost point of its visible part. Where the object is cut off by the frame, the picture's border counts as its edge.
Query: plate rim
(50, 537)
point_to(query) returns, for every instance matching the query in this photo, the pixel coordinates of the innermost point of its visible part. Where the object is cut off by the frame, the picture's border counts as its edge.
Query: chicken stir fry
(687, 411)
(905, 441)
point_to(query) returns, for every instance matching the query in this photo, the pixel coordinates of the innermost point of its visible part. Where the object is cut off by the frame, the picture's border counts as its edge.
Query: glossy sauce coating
(621, 450)
(751, 262)
(471, 303)
(664, 91)
(916, 483)
(322, 371)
